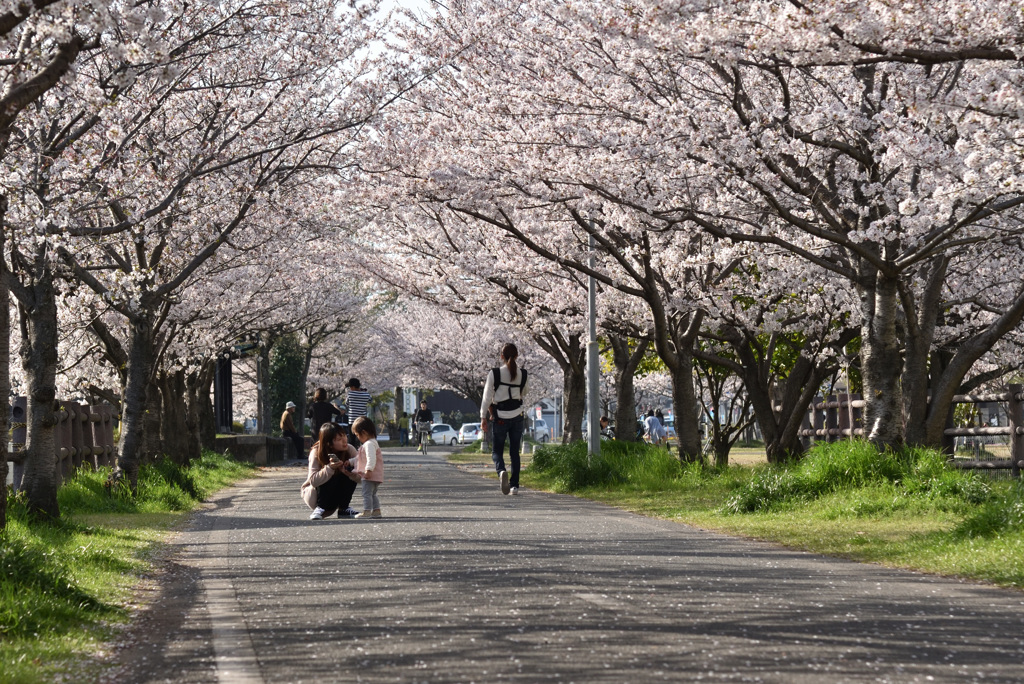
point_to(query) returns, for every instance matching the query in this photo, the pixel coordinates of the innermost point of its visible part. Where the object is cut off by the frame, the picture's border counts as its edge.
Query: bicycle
(423, 430)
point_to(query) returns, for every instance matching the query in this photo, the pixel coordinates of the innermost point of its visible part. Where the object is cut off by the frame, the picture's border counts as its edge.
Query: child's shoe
(364, 514)
(376, 513)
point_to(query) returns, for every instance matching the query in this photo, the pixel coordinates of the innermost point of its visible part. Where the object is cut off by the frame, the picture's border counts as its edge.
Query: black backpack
(509, 404)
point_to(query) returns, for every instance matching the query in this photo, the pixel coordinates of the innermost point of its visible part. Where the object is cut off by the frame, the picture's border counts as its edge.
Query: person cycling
(423, 419)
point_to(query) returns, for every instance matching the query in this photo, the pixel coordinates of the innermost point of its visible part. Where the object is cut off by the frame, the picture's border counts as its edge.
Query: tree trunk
(780, 400)
(881, 365)
(300, 412)
(174, 429)
(39, 358)
(140, 368)
(626, 363)
(206, 423)
(685, 408)
(570, 354)
(265, 419)
(574, 403)
(674, 339)
(153, 446)
(920, 337)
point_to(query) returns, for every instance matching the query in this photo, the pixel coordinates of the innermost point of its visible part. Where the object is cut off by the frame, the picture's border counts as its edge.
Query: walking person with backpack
(502, 412)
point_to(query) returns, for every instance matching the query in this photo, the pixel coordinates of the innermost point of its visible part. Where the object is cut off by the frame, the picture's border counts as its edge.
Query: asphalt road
(461, 584)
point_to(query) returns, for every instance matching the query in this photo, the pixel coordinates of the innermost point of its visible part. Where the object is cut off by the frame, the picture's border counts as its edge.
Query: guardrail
(839, 416)
(84, 437)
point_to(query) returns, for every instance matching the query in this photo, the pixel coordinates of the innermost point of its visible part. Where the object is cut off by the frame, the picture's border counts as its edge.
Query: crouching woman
(332, 478)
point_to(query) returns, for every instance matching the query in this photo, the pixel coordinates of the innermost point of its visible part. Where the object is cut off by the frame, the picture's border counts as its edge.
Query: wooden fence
(839, 416)
(84, 437)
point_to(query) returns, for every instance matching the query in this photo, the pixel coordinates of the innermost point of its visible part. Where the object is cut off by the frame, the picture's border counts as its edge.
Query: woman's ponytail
(509, 353)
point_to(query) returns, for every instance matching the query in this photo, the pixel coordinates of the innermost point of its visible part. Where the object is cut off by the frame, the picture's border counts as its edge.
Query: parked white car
(541, 431)
(469, 433)
(442, 433)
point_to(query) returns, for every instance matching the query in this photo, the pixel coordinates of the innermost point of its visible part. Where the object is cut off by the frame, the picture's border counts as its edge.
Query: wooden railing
(839, 417)
(84, 437)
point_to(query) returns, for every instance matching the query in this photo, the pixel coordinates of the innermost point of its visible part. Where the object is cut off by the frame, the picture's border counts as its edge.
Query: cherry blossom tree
(179, 187)
(40, 42)
(828, 146)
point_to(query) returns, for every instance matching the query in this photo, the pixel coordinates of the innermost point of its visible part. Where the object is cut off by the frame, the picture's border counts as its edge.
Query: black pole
(222, 402)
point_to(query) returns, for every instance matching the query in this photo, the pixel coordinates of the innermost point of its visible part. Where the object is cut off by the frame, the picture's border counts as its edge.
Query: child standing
(370, 466)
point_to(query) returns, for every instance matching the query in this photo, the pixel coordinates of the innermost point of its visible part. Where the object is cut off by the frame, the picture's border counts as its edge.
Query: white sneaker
(317, 514)
(514, 491)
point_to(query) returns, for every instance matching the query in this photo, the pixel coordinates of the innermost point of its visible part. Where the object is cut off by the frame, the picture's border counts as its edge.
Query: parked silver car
(469, 433)
(541, 431)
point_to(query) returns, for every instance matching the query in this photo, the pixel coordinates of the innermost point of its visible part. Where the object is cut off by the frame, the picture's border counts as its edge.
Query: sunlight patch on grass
(905, 510)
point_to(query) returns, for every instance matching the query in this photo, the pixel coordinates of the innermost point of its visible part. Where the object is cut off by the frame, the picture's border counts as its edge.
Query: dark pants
(297, 440)
(513, 430)
(335, 494)
(403, 437)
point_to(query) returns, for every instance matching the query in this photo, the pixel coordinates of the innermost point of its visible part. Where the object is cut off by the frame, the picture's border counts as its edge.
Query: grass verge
(905, 509)
(65, 585)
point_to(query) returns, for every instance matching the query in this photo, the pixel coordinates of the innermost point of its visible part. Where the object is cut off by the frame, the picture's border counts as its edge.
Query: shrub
(636, 464)
(838, 466)
(163, 486)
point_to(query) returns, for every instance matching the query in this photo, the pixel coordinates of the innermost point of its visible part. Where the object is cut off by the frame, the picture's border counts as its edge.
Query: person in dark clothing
(424, 415)
(322, 411)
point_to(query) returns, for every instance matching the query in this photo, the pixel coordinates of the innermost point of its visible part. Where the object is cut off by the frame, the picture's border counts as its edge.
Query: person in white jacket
(502, 409)
(332, 476)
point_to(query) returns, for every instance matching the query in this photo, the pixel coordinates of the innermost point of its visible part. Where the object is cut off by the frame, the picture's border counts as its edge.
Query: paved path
(461, 584)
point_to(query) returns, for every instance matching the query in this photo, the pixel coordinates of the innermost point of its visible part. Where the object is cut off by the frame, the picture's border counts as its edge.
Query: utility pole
(593, 361)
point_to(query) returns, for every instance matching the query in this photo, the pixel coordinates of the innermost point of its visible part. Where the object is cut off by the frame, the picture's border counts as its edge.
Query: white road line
(235, 656)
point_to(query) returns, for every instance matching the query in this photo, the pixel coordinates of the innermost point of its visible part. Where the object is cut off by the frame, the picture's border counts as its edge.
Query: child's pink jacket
(377, 474)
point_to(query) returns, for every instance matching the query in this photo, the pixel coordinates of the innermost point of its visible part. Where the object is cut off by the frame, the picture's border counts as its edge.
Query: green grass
(904, 509)
(65, 585)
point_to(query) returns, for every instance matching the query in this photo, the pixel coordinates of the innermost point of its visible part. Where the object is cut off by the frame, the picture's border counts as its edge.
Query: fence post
(60, 443)
(832, 418)
(806, 424)
(1015, 411)
(103, 434)
(76, 435)
(819, 418)
(85, 437)
(844, 414)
